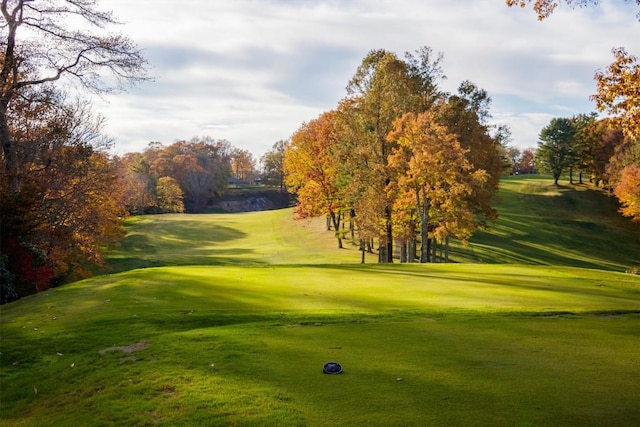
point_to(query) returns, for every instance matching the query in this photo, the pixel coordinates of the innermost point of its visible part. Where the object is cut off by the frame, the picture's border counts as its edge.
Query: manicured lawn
(252, 238)
(420, 345)
(570, 225)
(227, 320)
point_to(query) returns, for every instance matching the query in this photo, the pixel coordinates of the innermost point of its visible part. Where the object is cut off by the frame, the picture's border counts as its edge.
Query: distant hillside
(569, 225)
(252, 199)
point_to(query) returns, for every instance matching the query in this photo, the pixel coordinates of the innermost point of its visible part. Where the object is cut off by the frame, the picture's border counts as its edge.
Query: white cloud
(251, 71)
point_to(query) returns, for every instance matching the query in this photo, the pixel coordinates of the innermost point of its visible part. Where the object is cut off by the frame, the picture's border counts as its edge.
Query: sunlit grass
(230, 318)
(570, 225)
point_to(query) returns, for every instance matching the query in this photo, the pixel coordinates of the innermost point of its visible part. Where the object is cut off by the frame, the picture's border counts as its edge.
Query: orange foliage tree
(310, 170)
(68, 204)
(628, 191)
(432, 169)
(618, 92)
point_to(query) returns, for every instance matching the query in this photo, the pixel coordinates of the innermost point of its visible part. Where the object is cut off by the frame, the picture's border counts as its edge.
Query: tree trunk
(423, 212)
(9, 153)
(336, 225)
(382, 253)
(362, 250)
(411, 256)
(352, 227)
(388, 236)
(570, 174)
(434, 246)
(446, 249)
(403, 250)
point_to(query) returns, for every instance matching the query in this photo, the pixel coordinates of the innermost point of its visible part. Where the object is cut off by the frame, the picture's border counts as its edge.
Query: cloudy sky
(251, 71)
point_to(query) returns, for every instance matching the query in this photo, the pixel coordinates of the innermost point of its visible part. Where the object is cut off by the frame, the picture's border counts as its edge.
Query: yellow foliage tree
(310, 170)
(619, 92)
(431, 166)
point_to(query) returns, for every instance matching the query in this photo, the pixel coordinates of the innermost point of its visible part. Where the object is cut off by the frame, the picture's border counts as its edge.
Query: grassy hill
(227, 319)
(570, 225)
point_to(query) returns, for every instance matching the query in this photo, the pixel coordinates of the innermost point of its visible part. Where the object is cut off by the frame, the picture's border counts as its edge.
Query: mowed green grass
(254, 238)
(568, 225)
(233, 317)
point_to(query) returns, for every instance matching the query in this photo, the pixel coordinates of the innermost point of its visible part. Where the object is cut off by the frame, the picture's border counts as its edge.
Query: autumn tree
(243, 165)
(604, 153)
(512, 156)
(466, 114)
(589, 148)
(622, 173)
(169, 194)
(310, 170)
(68, 204)
(40, 45)
(618, 93)
(527, 161)
(628, 191)
(60, 201)
(434, 171)
(138, 186)
(384, 88)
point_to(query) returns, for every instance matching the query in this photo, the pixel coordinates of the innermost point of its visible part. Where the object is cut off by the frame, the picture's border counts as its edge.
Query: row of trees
(183, 176)
(583, 144)
(398, 158)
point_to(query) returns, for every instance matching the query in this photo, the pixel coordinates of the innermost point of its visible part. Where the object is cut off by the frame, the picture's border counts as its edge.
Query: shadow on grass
(179, 242)
(566, 225)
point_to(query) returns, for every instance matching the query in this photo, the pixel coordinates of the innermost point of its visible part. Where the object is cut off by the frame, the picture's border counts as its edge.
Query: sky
(252, 71)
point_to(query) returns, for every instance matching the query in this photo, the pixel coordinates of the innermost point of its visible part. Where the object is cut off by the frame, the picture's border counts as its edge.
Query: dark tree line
(583, 145)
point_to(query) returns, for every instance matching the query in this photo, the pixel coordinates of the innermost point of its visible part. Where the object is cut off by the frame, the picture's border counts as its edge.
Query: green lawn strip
(462, 369)
(348, 288)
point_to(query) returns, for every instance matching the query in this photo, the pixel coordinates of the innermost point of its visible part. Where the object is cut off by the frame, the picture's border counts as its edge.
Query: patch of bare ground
(126, 348)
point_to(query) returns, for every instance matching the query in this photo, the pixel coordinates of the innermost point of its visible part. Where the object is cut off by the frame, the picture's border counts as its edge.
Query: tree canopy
(405, 159)
(60, 197)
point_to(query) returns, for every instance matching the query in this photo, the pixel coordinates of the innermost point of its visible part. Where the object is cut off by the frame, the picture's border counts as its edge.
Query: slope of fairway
(570, 225)
(538, 224)
(227, 320)
(252, 238)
